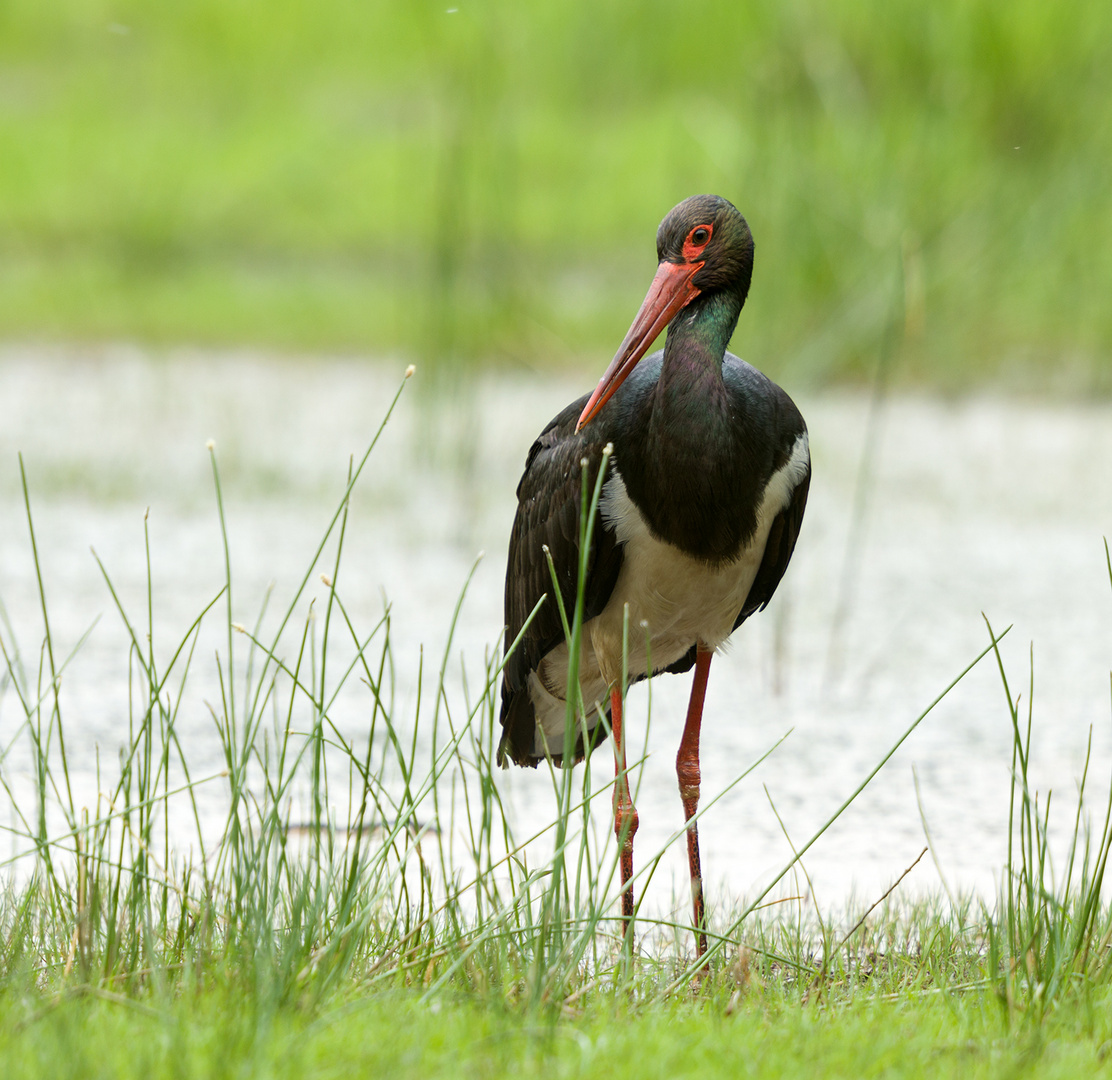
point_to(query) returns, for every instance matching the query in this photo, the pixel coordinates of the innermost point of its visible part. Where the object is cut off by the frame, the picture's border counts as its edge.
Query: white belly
(674, 601)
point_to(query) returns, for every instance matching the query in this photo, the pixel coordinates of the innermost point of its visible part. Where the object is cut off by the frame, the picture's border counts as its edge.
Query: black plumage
(549, 502)
(702, 506)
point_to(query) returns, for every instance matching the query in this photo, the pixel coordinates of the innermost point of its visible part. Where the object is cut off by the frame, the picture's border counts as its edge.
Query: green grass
(218, 1033)
(484, 185)
(437, 942)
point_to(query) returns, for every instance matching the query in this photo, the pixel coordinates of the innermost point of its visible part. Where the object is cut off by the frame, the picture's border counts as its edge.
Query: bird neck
(691, 375)
(698, 336)
(681, 452)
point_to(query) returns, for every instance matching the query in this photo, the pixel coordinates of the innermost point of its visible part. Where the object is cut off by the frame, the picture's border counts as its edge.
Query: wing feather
(778, 551)
(549, 501)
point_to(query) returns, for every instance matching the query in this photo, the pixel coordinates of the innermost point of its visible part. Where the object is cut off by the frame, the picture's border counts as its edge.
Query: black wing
(778, 551)
(549, 498)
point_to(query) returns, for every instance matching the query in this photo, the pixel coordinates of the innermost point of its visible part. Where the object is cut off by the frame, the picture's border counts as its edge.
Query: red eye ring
(696, 240)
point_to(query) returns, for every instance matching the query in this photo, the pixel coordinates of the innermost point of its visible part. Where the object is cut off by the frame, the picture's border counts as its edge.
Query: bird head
(703, 245)
(707, 237)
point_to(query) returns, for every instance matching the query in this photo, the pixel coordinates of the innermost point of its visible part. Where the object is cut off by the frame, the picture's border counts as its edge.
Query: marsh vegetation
(366, 899)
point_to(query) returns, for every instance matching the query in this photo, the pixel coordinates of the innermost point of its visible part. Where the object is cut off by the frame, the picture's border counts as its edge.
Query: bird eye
(696, 240)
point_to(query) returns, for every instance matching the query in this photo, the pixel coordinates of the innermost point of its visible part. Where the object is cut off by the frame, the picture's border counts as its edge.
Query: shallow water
(972, 506)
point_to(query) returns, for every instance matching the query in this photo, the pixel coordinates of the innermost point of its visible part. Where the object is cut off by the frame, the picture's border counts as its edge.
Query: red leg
(625, 813)
(687, 771)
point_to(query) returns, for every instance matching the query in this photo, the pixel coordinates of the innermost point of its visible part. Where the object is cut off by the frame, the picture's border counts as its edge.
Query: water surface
(977, 506)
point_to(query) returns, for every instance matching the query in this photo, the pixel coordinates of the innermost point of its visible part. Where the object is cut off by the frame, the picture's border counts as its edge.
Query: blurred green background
(481, 181)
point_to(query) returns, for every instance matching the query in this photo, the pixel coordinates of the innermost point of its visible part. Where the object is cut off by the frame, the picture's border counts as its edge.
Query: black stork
(699, 514)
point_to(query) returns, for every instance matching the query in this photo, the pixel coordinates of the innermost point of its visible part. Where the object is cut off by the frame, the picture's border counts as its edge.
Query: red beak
(670, 291)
